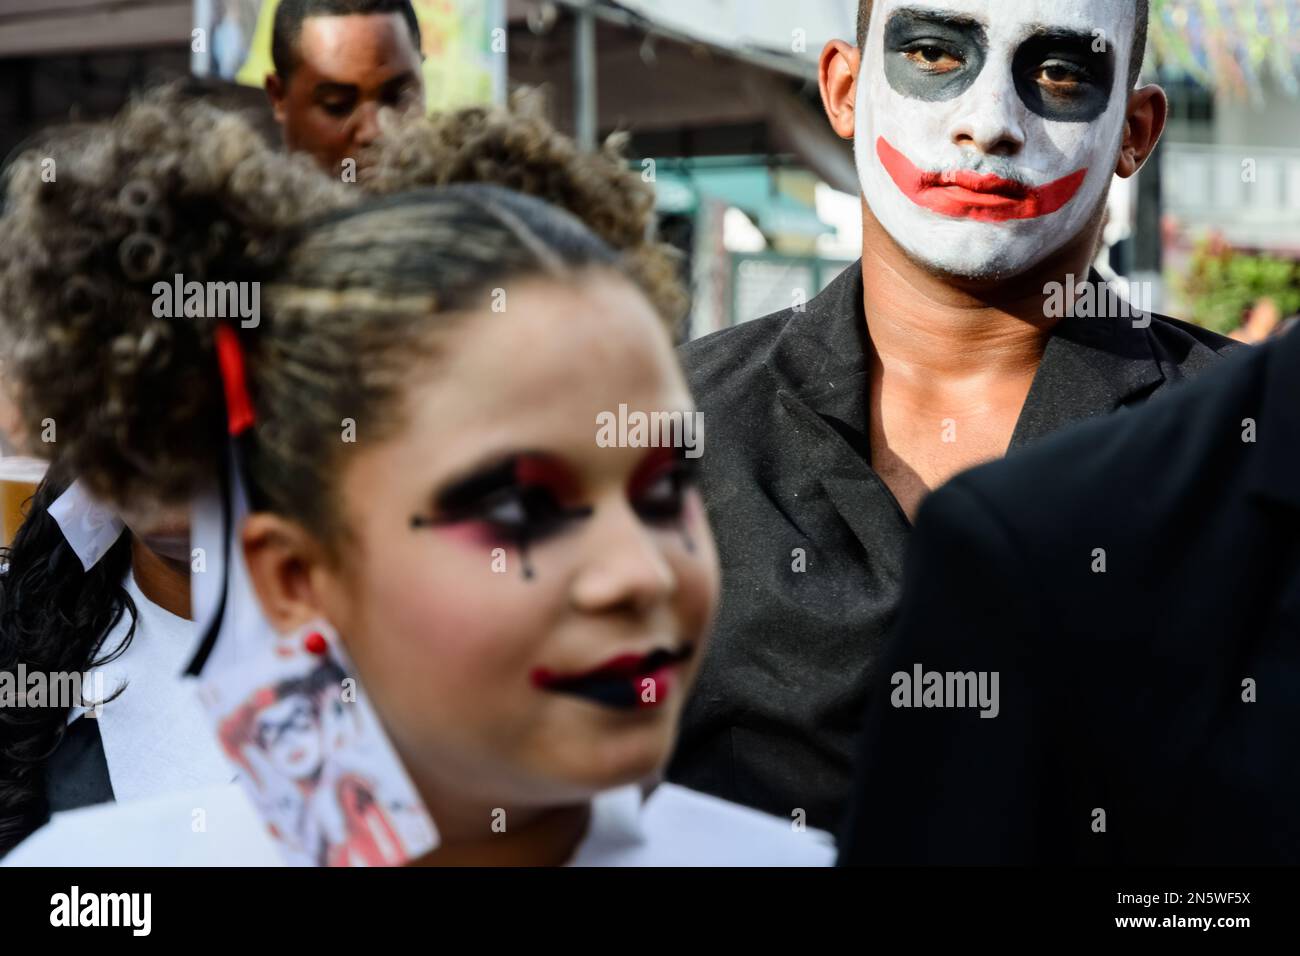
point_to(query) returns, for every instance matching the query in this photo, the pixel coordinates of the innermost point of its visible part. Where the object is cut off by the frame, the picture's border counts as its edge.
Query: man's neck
(943, 328)
(952, 361)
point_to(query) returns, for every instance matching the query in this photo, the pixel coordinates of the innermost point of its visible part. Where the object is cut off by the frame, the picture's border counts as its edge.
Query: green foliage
(1222, 284)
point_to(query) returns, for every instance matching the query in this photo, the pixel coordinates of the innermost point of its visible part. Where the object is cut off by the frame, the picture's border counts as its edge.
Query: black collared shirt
(812, 541)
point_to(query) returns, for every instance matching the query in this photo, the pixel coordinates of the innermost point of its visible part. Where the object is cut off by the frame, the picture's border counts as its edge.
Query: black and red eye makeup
(658, 488)
(626, 682)
(532, 496)
(524, 498)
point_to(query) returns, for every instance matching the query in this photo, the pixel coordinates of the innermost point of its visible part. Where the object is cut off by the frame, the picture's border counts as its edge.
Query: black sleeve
(942, 784)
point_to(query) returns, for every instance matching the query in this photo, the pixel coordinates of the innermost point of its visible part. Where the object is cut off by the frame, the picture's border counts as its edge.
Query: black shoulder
(1188, 346)
(731, 357)
(1133, 466)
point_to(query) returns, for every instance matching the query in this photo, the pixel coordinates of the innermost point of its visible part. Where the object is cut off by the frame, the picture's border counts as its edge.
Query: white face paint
(988, 130)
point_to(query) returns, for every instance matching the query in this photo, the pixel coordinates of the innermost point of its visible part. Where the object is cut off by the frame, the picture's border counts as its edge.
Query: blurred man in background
(337, 64)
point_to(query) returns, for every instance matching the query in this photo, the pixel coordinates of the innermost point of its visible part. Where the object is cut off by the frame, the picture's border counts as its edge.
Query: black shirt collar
(1090, 366)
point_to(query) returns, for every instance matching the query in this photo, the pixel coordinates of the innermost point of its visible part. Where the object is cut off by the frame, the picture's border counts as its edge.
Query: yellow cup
(18, 480)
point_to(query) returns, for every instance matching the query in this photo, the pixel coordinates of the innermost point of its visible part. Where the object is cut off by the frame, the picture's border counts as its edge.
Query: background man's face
(987, 131)
(348, 68)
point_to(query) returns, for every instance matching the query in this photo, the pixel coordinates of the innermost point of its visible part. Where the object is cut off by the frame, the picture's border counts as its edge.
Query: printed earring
(291, 714)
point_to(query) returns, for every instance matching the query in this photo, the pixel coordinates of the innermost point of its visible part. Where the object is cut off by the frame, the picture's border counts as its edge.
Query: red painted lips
(983, 197)
(621, 682)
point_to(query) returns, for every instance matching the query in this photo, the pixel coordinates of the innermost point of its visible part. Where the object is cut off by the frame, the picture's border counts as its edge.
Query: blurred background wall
(720, 98)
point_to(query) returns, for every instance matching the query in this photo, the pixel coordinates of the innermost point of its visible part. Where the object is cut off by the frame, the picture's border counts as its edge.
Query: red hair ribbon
(230, 358)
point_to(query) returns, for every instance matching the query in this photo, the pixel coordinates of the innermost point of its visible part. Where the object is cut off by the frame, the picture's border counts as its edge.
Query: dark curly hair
(169, 186)
(516, 147)
(177, 186)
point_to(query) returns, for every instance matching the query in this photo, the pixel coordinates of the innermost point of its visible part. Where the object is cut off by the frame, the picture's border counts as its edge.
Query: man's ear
(837, 73)
(276, 90)
(1143, 124)
(287, 565)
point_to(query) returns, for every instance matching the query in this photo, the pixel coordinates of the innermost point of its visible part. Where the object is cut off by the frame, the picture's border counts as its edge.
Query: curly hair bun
(517, 148)
(113, 388)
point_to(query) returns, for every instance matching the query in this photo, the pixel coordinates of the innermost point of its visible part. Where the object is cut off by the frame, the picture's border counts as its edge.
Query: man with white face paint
(985, 144)
(986, 135)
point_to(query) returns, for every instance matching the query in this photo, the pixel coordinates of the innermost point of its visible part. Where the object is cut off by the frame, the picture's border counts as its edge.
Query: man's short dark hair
(1139, 35)
(290, 14)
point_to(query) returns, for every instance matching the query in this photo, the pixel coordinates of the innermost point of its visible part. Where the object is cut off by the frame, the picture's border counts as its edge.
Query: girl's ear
(285, 563)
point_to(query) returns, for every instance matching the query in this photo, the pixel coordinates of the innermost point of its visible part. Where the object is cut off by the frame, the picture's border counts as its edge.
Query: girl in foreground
(426, 380)
(119, 603)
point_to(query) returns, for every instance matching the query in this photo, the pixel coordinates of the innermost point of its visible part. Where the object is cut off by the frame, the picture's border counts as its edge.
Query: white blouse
(218, 827)
(156, 736)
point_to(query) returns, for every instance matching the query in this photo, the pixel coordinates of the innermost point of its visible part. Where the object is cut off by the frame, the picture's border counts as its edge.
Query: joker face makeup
(987, 130)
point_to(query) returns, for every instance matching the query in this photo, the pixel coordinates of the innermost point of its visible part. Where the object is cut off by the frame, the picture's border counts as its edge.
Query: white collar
(672, 827)
(142, 654)
(615, 826)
